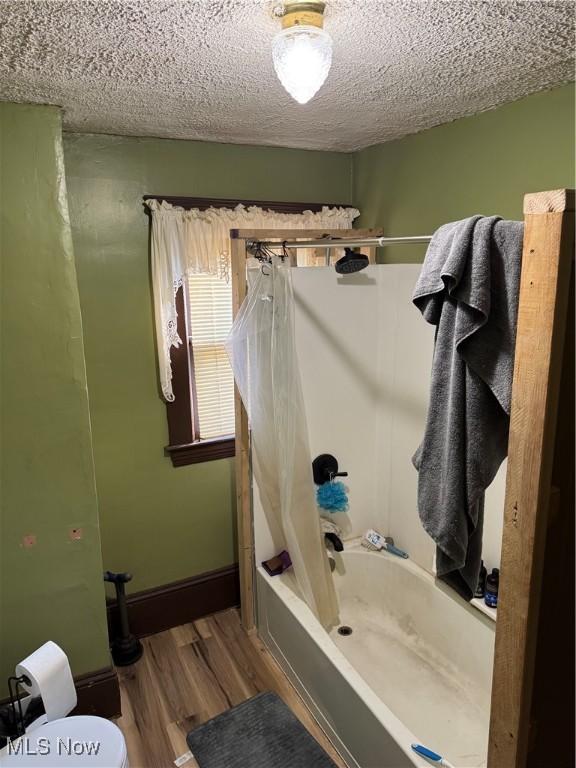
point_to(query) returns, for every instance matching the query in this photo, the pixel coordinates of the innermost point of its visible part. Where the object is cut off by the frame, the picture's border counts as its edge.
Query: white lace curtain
(198, 242)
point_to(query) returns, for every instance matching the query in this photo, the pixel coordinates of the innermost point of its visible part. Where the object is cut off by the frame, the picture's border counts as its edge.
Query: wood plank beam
(548, 253)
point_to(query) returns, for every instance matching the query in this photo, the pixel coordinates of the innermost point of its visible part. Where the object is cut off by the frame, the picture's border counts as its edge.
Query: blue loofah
(332, 496)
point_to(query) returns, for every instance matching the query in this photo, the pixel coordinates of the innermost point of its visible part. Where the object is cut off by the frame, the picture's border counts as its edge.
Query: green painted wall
(482, 164)
(52, 590)
(158, 522)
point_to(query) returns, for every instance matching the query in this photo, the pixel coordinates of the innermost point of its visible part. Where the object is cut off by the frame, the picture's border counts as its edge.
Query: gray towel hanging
(468, 288)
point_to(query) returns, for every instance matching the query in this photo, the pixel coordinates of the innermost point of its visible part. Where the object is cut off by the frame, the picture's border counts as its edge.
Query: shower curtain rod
(378, 242)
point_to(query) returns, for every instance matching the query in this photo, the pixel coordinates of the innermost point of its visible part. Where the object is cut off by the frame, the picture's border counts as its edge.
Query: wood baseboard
(98, 694)
(168, 606)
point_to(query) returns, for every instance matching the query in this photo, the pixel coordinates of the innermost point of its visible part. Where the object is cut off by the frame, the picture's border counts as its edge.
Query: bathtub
(416, 668)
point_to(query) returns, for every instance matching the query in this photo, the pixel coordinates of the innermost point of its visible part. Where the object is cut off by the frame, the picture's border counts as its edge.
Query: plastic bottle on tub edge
(491, 593)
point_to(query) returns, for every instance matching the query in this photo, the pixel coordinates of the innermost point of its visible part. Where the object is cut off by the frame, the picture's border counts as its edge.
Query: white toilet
(71, 742)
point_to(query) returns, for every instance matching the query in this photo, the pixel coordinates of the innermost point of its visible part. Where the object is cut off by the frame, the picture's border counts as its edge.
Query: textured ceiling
(202, 69)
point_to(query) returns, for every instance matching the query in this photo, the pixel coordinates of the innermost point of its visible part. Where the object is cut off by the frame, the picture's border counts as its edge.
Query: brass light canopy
(303, 12)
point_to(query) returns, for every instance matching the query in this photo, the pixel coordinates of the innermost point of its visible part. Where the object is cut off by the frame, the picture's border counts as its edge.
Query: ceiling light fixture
(302, 51)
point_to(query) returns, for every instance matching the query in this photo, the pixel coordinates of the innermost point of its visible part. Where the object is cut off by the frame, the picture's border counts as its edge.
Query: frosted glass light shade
(302, 57)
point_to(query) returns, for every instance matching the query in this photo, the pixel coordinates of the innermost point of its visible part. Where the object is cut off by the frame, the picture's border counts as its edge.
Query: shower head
(351, 262)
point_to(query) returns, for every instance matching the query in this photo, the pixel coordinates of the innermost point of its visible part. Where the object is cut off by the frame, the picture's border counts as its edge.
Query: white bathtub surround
(365, 357)
(417, 667)
(263, 355)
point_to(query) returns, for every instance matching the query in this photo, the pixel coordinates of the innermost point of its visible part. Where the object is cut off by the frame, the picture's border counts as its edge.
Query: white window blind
(210, 320)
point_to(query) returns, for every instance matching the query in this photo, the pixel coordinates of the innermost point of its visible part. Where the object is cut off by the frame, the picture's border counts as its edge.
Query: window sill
(202, 450)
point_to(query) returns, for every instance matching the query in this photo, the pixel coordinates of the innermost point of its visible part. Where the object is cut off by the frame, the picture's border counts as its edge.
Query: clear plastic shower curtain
(263, 355)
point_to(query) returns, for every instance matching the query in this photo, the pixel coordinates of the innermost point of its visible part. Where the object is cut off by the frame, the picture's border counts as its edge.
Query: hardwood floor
(192, 673)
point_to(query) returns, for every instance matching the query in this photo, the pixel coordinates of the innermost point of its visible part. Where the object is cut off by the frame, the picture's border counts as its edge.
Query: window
(209, 323)
(201, 419)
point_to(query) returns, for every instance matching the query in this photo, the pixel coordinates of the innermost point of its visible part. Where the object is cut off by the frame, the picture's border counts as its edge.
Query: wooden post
(244, 518)
(547, 260)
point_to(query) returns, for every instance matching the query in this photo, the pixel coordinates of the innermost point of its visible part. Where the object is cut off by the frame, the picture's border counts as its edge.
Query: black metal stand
(126, 648)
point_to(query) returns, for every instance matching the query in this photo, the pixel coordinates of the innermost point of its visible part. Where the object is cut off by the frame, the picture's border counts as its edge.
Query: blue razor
(430, 755)
(395, 550)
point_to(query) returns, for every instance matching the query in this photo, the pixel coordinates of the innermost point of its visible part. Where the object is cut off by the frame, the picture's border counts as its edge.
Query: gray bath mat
(259, 733)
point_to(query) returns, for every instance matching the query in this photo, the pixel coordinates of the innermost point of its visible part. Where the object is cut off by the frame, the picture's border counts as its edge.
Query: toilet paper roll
(49, 673)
